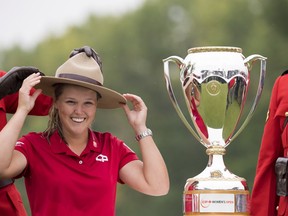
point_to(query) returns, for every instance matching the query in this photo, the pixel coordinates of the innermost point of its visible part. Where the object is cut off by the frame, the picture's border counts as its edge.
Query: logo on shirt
(102, 158)
(19, 143)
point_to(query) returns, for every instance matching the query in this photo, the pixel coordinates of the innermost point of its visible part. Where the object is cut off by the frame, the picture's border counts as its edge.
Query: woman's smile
(78, 120)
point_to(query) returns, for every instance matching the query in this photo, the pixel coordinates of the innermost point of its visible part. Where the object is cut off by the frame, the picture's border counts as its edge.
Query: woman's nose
(78, 109)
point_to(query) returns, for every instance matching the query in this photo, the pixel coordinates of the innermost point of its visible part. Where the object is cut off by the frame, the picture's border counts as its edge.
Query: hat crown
(84, 71)
(81, 67)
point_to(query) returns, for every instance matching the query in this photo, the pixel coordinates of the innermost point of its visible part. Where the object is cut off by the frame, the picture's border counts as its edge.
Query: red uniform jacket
(264, 200)
(10, 199)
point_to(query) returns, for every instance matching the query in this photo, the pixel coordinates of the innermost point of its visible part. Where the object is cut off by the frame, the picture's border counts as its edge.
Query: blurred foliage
(132, 48)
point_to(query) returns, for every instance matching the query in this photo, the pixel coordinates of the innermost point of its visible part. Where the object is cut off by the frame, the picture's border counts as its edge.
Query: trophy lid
(214, 49)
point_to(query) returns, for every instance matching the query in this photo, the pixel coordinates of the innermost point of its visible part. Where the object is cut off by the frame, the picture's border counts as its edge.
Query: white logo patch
(102, 158)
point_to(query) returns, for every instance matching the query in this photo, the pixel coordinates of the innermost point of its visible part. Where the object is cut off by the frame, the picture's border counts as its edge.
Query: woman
(70, 169)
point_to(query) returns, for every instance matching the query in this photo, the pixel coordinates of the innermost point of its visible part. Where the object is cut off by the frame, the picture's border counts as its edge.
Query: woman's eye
(70, 102)
(89, 103)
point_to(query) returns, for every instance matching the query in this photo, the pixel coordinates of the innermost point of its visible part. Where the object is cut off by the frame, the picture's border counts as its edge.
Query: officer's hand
(90, 52)
(12, 80)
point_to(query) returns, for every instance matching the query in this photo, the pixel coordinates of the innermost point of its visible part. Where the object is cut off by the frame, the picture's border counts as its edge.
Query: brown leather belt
(4, 183)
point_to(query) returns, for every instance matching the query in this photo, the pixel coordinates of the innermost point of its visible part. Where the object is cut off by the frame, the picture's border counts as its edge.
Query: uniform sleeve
(11, 103)
(42, 105)
(264, 199)
(41, 108)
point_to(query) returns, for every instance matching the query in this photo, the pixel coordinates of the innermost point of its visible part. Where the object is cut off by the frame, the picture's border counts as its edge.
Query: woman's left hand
(137, 114)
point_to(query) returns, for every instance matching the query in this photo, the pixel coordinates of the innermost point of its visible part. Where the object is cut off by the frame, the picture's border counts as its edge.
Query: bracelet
(145, 133)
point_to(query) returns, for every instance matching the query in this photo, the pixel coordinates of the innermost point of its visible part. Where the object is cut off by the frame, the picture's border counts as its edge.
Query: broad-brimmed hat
(84, 71)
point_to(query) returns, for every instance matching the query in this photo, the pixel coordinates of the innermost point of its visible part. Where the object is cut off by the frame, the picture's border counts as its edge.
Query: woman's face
(77, 108)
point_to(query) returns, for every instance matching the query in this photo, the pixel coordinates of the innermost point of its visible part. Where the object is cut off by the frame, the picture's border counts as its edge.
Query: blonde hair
(54, 122)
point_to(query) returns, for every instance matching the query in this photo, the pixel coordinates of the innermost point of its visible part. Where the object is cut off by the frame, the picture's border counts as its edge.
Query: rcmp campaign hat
(84, 71)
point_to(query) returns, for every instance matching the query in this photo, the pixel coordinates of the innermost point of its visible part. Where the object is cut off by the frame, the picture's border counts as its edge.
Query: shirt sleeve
(127, 155)
(124, 154)
(22, 146)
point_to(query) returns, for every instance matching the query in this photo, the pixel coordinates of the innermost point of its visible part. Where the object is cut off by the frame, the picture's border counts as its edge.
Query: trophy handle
(248, 62)
(180, 63)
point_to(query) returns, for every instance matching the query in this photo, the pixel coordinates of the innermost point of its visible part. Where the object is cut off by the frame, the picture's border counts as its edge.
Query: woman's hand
(26, 100)
(137, 114)
(149, 176)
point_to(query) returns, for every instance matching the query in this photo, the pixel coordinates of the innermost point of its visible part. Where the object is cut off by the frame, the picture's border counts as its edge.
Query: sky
(26, 22)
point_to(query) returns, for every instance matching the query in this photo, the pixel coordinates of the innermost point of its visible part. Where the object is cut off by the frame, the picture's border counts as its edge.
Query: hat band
(79, 78)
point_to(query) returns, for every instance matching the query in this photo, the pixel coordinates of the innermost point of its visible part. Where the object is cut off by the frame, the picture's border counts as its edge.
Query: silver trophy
(215, 83)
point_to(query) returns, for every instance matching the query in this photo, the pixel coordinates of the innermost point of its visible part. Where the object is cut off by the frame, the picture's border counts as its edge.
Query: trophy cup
(215, 83)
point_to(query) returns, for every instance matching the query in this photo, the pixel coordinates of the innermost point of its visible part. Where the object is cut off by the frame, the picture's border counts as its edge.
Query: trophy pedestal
(216, 191)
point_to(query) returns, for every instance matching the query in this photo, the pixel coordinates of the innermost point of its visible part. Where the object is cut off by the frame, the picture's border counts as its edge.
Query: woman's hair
(54, 122)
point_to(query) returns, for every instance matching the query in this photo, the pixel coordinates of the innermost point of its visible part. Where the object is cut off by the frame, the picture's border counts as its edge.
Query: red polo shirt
(59, 182)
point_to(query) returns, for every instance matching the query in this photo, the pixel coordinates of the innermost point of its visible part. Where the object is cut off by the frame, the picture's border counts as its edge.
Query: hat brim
(110, 99)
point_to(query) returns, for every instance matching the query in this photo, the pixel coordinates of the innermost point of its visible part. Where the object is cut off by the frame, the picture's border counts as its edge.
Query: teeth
(78, 120)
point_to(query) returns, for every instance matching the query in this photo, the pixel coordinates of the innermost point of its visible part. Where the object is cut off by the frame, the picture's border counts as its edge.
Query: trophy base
(215, 197)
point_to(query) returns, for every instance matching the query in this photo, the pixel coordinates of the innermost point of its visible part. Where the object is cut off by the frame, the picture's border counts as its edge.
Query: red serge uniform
(10, 199)
(59, 182)
(274, 144)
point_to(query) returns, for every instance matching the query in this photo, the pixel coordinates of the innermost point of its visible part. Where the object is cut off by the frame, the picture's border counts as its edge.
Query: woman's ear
(55, 106)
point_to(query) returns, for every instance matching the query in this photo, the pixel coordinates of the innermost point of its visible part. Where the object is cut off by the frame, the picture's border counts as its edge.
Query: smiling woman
(81, 167)
(76, 109)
